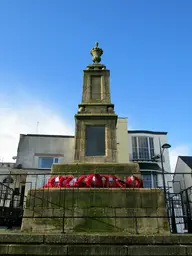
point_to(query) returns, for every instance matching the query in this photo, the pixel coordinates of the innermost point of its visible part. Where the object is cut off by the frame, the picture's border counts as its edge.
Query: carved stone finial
(96, 52)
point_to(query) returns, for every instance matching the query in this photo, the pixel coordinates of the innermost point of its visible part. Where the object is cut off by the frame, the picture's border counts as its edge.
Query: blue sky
(147, 45)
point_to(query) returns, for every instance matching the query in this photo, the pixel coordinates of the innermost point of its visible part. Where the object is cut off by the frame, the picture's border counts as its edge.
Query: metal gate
(11, 206)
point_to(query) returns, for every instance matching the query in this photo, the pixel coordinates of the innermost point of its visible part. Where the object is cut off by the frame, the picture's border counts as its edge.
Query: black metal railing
(26, 191)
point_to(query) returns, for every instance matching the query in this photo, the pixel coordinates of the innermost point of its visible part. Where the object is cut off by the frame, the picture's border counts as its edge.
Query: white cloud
(180, 150)
(20, 115)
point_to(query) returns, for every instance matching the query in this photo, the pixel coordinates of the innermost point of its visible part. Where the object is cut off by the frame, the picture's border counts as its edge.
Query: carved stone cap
(96, 52)
(96, 67)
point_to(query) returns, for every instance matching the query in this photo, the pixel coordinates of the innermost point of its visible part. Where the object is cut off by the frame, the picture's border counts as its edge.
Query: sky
(45, 45)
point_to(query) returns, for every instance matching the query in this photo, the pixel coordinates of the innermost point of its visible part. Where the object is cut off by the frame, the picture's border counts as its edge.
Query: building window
(134, 146)
(46, 162)
(143, 148)
(151, 147)
(149, 180)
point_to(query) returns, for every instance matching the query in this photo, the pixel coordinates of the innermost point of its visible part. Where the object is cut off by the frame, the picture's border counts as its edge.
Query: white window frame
(148, 146)
(152, 174)
(54, 158)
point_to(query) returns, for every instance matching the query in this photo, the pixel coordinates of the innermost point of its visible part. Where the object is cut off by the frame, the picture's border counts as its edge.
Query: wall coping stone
(116, 238)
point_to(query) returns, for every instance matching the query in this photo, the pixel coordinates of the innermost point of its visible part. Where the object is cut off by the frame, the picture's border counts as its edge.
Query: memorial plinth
(131, 211)
(121, 170)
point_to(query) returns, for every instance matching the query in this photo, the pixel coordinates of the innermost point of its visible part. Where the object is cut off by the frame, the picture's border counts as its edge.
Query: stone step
(96, 250)
(13, 237)
(92, 245)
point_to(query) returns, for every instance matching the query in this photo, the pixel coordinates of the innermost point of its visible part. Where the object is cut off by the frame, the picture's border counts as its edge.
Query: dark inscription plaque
(95, 141)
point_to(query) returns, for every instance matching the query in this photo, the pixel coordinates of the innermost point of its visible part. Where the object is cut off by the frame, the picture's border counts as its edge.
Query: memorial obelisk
(95, 137)
(95, 126)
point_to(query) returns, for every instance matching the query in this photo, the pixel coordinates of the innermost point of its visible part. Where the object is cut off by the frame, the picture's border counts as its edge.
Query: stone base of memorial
(133, 211)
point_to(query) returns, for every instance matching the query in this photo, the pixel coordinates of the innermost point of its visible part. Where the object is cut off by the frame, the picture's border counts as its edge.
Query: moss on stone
(55, 222)
(120, 170)
(96, 223)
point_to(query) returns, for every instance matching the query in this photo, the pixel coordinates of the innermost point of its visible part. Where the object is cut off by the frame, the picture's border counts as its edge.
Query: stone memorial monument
(97, 209)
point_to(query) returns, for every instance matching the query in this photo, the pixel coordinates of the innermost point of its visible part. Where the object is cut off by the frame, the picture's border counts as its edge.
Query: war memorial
(103, 209)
